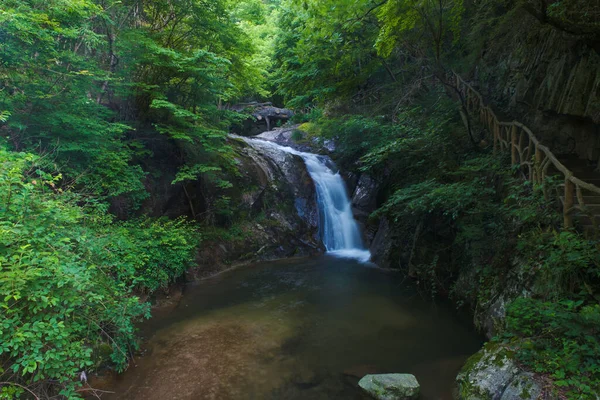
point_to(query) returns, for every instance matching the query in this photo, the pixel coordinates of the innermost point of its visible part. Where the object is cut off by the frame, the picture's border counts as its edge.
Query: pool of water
(302, 329)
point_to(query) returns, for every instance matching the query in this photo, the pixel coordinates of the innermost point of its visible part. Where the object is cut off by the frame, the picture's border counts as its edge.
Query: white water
(338, 228)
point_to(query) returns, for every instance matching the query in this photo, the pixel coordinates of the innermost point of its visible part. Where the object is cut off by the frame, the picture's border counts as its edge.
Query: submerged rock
(391, 386)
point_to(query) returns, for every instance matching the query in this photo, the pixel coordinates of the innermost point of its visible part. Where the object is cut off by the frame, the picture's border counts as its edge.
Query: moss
(526, 392)
(472, 362)
(492, 353)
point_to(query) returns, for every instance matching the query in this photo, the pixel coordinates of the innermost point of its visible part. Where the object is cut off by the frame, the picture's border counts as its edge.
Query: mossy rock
(391, 386)
(493, 374)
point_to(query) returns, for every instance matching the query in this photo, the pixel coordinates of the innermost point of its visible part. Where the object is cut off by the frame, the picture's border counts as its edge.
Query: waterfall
(338, 228)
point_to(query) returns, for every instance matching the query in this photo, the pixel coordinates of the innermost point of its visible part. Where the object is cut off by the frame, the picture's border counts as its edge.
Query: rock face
(275, 201)
(549, 79)
(287, 170)
(382, 244)
(364, 190)
(365, 195)
(493, 374)
(391, 386)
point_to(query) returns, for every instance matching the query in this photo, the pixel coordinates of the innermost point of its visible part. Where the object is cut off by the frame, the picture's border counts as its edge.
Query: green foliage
(350, 134)
(566, 263)
(85, 81)
(413, 144)
(147, 254)
(439, 21)
(318, 61)
(529, 206)
(67, 276)
(408, 146)
(451, 200)
(559, 339)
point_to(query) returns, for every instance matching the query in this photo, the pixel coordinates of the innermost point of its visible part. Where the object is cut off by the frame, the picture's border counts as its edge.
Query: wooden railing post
(537, 170)
(568, 203)
(538, 158)
(513, 145)
(468, 101)
(494, 129)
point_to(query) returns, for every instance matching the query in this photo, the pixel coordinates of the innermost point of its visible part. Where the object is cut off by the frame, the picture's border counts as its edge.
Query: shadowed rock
(269, 114)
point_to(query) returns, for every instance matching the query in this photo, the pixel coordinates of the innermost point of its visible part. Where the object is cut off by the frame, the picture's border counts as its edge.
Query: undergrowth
(69, 277)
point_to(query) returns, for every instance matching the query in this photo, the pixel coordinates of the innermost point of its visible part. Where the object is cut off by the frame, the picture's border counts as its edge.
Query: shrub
(560, 339)
(67, 279)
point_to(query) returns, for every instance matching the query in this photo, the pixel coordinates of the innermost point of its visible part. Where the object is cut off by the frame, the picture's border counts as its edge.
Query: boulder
(260, 117)
(391, 386)
(270, 114)
(493, 374)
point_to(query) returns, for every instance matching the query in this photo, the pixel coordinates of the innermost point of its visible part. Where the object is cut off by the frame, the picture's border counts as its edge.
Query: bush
(67, 278)
(560, 339)
(566, 263)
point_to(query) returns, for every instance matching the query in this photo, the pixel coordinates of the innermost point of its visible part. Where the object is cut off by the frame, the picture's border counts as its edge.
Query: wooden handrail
(528, 152)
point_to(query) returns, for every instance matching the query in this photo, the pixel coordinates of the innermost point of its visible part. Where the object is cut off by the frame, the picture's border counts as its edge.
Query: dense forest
(118, 173)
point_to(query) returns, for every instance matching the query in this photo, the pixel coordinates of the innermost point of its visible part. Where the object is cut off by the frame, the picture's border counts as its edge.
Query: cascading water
(339, 230)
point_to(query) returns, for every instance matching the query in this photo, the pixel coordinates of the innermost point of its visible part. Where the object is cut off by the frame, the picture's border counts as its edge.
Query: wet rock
(275, 201)
(493, 319)
(330, 145)
(294, 137)
(287, 169)
(281, 136)
(493, 374)
(391, 386)
(382, 243)
(491, 306)
(364, 191)
(365, 195)
(351, 180)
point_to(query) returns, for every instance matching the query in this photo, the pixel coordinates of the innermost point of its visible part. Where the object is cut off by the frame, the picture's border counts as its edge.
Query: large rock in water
(391, 386)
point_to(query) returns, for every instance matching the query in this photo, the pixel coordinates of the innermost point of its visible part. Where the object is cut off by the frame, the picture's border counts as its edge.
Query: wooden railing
(527, 152)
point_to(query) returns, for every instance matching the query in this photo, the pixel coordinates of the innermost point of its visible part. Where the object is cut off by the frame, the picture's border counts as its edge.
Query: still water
(298, 329)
